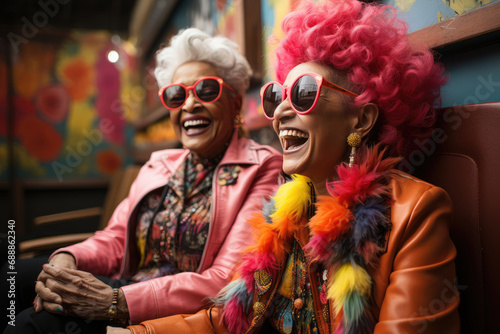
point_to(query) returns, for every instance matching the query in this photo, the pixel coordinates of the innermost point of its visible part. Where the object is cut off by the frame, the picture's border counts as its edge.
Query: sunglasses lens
(208, 90)
(174, 96)
(272, 97)
(304, 93)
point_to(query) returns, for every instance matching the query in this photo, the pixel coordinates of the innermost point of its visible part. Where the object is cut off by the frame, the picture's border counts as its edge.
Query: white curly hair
(193, 44)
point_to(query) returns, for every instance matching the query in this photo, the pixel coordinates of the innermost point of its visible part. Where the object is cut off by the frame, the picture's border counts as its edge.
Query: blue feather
(268, 209)
(370, 219)
(357, 316)
(235, 289)
(340, 250)
(353, 308)
(364, 325)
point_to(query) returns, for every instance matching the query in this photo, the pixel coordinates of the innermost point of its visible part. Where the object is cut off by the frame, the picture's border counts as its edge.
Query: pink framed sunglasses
(303, 92)
(207, 90)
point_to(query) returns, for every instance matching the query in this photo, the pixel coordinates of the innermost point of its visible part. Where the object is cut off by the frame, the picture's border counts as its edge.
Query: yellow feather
(347, 279)
(292, 200)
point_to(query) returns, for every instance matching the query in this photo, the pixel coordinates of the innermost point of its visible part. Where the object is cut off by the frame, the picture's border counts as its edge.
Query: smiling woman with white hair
(175, 239)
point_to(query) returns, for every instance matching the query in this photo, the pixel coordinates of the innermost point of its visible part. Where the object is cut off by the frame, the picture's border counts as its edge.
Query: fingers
(58, 273)
(73, 281)
(61, 260)
(66, 278)
(43, 275)
(37, 304)
(46, 293)
(74, 292)
(65, 274)
(53, 307)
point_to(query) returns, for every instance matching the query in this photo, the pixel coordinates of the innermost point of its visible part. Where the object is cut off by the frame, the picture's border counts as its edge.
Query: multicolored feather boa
(346, 234)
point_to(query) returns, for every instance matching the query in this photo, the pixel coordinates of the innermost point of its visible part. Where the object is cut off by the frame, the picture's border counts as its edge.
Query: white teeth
(293, 133)
(195, 122)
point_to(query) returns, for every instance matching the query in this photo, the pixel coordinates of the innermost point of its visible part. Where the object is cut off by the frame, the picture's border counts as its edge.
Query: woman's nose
(284, 110)
(191, 102)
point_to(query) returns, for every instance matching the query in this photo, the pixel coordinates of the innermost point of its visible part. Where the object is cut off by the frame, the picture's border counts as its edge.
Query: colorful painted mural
(423, 13)
(70, 107)
(229, 17)
(473, 73)
(273, 12)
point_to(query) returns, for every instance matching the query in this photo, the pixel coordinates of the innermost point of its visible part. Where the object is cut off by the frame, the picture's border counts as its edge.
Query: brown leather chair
(464, 158)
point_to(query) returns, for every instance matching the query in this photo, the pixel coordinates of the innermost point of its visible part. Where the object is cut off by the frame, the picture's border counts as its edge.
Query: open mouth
(293, 139)
(195, 126)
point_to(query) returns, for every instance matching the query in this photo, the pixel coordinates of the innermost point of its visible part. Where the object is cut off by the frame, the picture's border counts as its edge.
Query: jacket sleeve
(205, 321)
(421, 296)
(188, 292)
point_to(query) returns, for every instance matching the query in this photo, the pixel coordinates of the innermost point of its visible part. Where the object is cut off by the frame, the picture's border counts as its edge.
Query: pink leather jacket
(113, 252)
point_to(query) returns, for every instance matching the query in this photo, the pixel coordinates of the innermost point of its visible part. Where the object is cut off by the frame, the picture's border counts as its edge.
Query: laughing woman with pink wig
(349, 244)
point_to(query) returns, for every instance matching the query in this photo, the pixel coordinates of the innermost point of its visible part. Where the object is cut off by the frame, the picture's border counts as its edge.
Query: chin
(297, 163)
(291, 168)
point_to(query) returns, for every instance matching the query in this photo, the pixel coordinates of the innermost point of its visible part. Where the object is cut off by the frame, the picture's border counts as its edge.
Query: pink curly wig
(369, 43)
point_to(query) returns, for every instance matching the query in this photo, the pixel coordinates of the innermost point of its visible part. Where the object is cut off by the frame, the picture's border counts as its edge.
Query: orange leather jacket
(413, 286)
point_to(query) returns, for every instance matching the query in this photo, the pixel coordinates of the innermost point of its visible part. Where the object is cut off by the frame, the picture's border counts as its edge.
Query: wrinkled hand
(117, 330)
(62, 260)
(74, 292)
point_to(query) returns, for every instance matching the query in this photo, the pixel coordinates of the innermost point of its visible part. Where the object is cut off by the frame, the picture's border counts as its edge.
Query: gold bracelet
(112, 311)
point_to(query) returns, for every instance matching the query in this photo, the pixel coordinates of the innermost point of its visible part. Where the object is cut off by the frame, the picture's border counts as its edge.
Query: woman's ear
(237, 101)
(367, 117)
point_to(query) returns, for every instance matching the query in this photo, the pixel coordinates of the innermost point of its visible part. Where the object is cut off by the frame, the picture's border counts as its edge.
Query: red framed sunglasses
(303, 92)
(207, 90)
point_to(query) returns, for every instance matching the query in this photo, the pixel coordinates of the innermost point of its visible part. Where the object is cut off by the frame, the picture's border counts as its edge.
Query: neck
(197, 158)
(320, 187)
(320, 183)
(213, 153)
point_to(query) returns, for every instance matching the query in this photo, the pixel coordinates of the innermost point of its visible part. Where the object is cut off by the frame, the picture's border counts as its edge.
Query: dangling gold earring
(353, 140)
(238, 121)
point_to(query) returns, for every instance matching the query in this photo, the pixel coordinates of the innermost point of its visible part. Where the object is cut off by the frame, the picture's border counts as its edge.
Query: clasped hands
(62, 289)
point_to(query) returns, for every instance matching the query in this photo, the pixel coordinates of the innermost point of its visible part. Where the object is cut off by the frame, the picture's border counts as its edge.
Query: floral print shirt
(173, 239)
